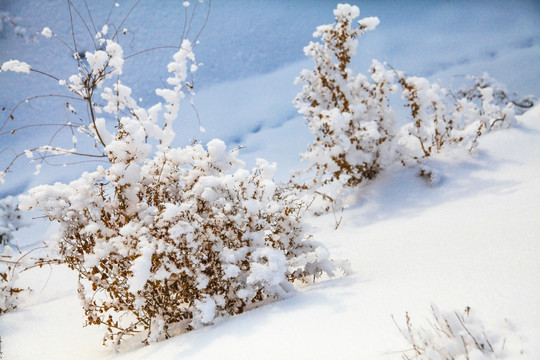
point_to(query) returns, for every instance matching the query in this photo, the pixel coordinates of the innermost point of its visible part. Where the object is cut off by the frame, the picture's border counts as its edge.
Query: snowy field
(470, 240)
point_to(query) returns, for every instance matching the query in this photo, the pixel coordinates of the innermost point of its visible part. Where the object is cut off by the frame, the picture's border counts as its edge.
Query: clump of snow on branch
(16, 66)
(179, 68)
(47, 32)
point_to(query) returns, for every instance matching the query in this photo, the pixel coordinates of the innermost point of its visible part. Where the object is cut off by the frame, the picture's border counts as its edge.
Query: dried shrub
(93, 97)
(453, 336)
(353, 122)
(178, 241)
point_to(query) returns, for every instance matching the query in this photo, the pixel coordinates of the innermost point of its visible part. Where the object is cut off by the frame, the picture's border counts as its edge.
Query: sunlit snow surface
(472, 240)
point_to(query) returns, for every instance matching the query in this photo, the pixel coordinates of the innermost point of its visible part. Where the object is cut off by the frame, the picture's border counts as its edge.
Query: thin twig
(85, 25)
(78, 58)
(125, 18)
(90, 16)
(468, 332)
(10, 116)
(204, 24)
(150, 49)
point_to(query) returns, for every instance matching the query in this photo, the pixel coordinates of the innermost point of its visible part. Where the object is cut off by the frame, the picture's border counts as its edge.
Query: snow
(470, 239)
(369, 23)
(115, 54)
(97, 60)
(47, 32)
(207, 310)
(16, 66)
(141, 268)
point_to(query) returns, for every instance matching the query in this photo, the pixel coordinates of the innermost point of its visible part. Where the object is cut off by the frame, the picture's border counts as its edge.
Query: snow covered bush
(172, 242)
(168, 239)
(348, 114)
(454, 336)
(10, 219)
(501, 95)
(353, 122)
(441, 119)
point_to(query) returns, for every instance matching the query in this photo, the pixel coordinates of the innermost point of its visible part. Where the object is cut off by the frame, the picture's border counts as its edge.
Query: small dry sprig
(450, 336)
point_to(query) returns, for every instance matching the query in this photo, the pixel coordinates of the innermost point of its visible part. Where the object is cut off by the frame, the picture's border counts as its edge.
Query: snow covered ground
(471, 240)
